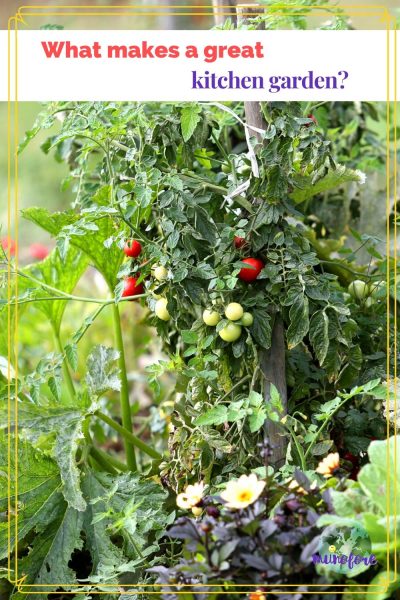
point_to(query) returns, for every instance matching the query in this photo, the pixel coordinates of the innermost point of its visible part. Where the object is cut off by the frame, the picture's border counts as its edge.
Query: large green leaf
(55, 272)
(106, 557)
(380, 479)
(47, 561)
(39, 491)
(65, 423)
(385, 591)
(307, 189)
(88, 233)
(130, 507)
(102, 373)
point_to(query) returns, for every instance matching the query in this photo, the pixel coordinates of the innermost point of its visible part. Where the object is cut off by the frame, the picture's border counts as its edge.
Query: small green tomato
(160, 273)
(231, 332)
(247, 319)
(370, 301)
(161, 309)
(234, 311)
(376, 289)
(211, 317)
(358, 289)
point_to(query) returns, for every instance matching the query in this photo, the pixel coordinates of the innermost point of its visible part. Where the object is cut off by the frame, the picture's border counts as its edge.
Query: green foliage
(185, 180)
(123, 505)
(307, 188)
(59, 273)
(371, 501)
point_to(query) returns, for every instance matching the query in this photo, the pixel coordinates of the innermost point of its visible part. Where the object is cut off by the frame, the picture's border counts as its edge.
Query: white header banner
(199, 65)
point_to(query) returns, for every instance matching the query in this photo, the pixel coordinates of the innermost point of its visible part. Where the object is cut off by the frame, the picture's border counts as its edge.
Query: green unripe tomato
(211, 317)
(225, 168)
(376, 289)
(244, 170)
(161, 309)
(234, 311)
(370, 301)
(247, 319)
(231, 332)
(358, 289)
(160, 273)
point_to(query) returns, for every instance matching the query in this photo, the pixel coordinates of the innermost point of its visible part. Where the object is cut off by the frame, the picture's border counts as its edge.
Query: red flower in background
(38, 251)
(8, 245)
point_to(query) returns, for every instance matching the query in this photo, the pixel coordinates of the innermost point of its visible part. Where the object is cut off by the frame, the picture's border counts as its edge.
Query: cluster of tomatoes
(237, 318)
(132, 249)
(234, 312)
(132, 288)
(365, 293)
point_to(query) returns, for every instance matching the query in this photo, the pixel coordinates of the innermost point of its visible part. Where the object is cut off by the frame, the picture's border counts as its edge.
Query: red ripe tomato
(249, 275)
(354, 473)
(238, 241)
(131, 288)
(133, 248)
(351, 458)
(311, 116)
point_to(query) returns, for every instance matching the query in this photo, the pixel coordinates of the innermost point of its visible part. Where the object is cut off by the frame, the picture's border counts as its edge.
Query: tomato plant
(226, 238)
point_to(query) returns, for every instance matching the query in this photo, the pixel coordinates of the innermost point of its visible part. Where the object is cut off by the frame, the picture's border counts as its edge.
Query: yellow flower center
(244, 496)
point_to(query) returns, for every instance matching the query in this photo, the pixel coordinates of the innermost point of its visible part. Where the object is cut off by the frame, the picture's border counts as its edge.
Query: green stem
(114, 462)
(299, 449)
(65, 296)
(133, 439)
(346, 268)
(109, 463)
(99, 458)
(102, 460)
(324, 424)
(124, 395)
(238, 384)
(66, 373)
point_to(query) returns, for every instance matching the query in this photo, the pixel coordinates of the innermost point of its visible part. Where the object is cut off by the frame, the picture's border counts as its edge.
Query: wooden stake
(272, 361)
(221, 8)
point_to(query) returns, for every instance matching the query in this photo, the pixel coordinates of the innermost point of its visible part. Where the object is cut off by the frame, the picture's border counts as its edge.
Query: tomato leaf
(299, 322)
(102, 374)
(261, 328)
(57, 273)
(319, 335)
(80, 233)
(215, 416)
(190, 118)
(305, 188)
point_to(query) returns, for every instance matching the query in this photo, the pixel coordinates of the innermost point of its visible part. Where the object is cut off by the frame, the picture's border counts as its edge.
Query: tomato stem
(66, 372)
(102, 460)
(133, 439)
(124, 395)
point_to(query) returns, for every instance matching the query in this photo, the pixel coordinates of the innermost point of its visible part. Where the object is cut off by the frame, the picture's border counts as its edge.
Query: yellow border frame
(24, 11)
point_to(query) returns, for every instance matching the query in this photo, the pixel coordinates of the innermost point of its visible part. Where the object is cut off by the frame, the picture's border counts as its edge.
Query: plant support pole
(124, 394)
(272, 361)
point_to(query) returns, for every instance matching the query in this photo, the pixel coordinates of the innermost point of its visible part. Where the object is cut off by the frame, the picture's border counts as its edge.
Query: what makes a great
(144, 50)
